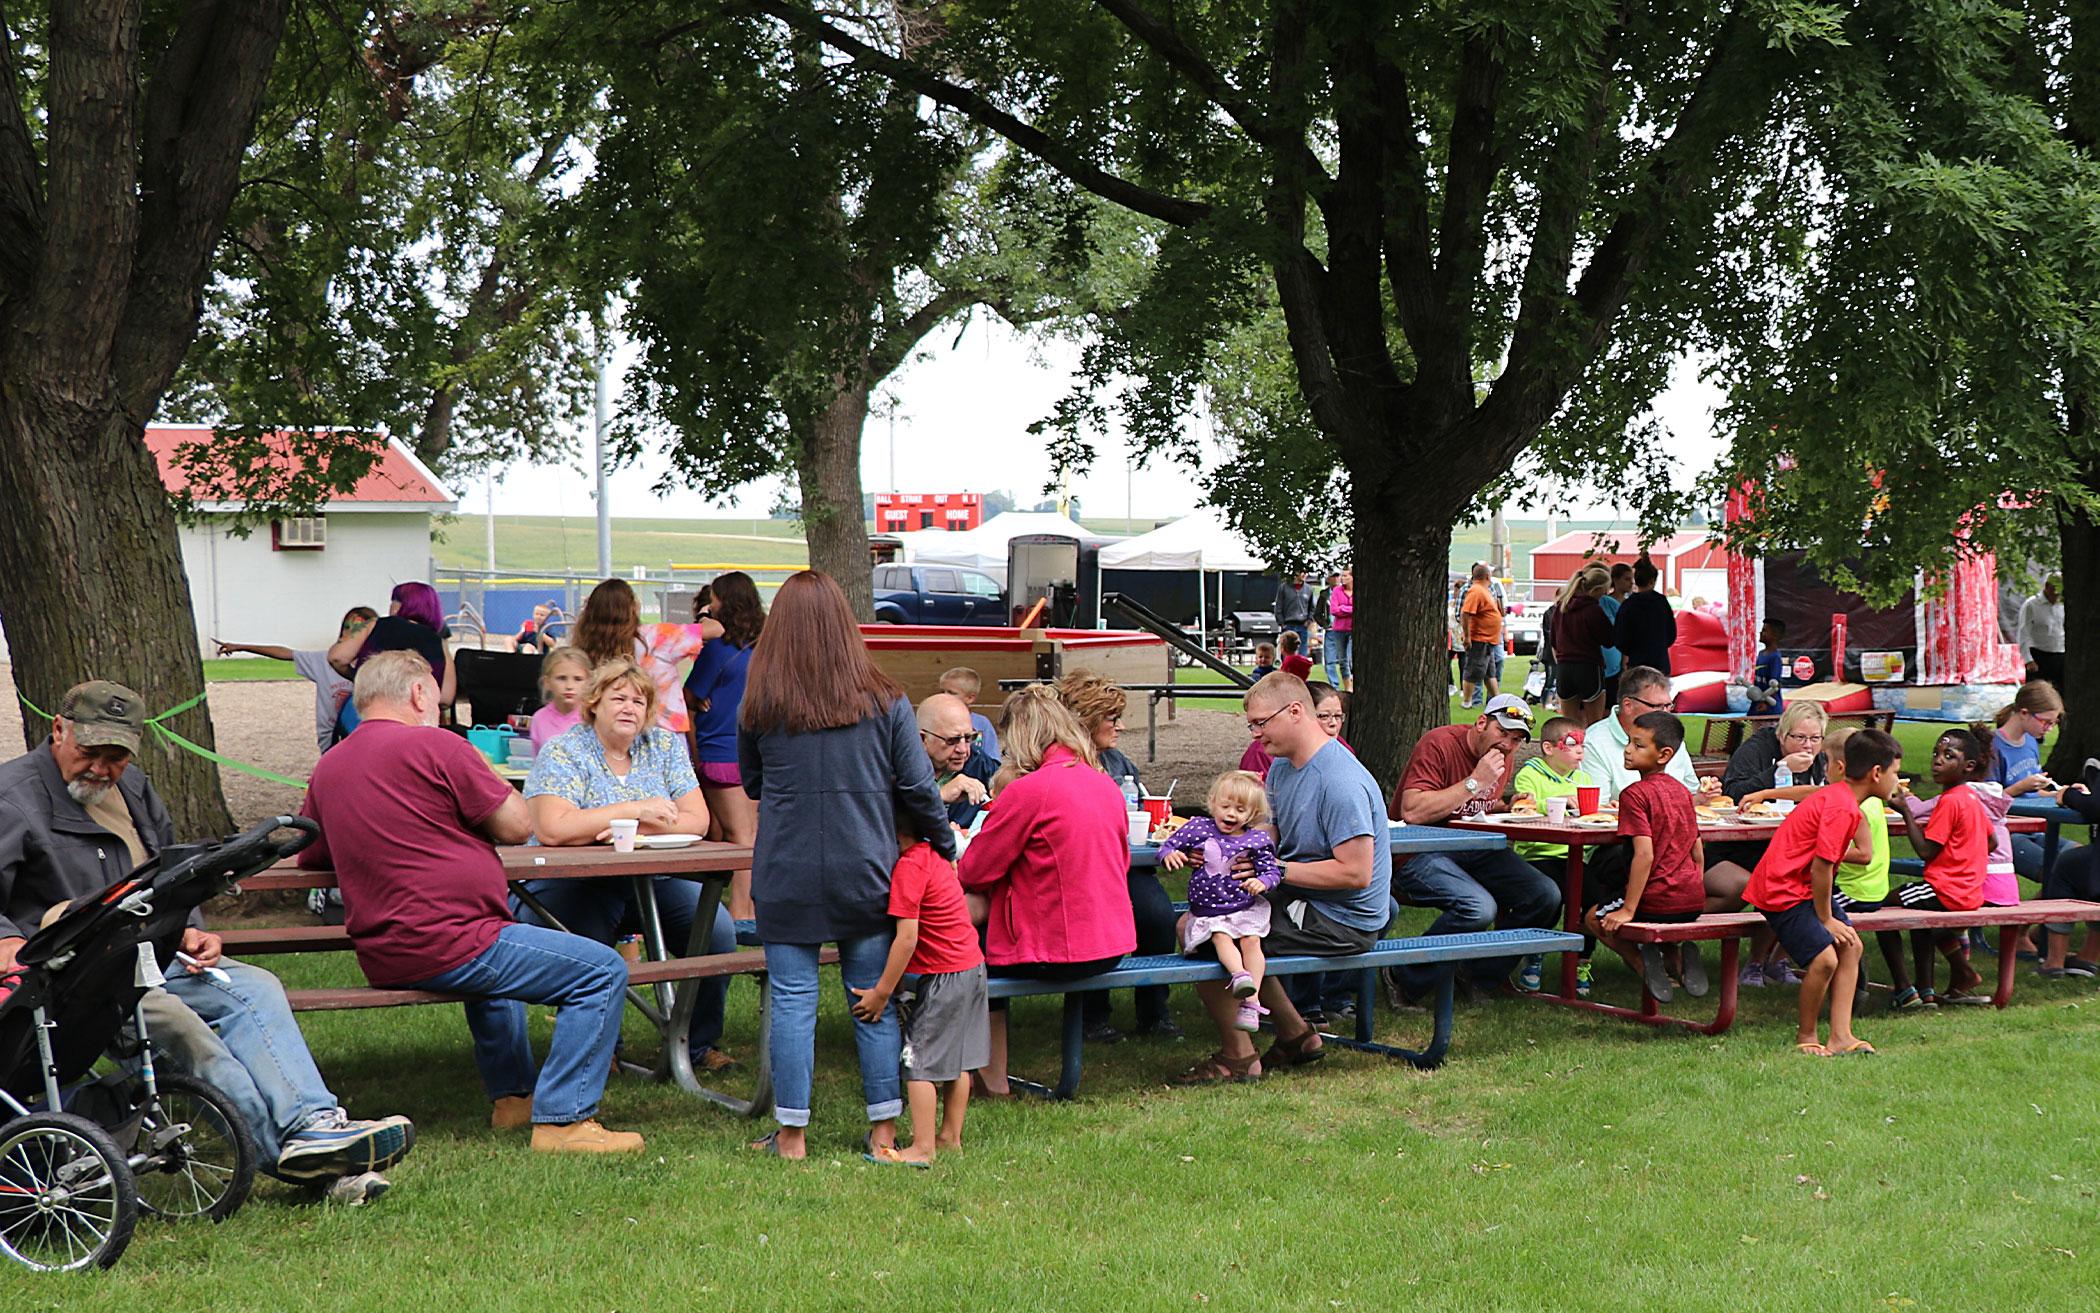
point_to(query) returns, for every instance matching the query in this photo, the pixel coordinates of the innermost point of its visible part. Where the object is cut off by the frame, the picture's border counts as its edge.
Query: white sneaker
(334, 1144)
(356, 1191)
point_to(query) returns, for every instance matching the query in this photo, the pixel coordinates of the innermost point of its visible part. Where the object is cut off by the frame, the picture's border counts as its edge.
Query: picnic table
(1578, 834)
(1725, 731)
(2053, 817)
(672, 988)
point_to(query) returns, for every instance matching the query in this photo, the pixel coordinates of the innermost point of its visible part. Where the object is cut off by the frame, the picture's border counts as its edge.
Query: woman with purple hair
(413, 623)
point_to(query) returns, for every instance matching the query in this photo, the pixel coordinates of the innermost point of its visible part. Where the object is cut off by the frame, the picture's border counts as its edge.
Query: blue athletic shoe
(334, 1145)
(1531, 972)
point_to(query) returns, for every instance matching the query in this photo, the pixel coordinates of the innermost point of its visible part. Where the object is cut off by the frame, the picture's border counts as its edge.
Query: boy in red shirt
(948, 1029)
(1956, 845)
(1667, 881)
(1792, 885)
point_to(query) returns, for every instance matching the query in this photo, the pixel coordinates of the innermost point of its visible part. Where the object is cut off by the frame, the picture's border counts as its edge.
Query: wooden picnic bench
(1444, 952)
(1731, 927)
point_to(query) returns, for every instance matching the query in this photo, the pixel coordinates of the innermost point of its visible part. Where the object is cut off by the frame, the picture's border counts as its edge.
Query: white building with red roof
(290, 580)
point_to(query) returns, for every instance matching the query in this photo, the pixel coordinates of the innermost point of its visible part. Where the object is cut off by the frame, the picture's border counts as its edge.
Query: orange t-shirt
(1483, 619)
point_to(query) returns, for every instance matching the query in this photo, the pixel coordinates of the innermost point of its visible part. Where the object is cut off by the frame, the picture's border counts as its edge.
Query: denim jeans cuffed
(791, 982)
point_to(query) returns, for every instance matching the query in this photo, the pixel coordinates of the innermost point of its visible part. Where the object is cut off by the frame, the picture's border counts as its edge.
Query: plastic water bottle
(1130, 792)
(1782, 776)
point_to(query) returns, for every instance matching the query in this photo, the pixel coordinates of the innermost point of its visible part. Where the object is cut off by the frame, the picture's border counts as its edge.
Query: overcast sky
(963, 411)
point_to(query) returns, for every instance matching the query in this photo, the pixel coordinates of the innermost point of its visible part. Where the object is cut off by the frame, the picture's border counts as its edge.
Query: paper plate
(666, 840)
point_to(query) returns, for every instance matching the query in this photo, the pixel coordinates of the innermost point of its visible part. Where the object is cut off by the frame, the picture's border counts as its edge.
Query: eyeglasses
(951, 740)
(1670, 705)
(2048, 720)
(1806, 738)
(1254, 726)
(1329, 717)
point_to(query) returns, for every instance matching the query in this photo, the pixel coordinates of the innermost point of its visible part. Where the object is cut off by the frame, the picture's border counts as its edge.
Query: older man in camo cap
(76, 816)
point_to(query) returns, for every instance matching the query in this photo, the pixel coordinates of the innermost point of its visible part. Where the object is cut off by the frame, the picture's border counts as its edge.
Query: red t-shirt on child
(1962, 828)
(1821, 825)
(1659, 808)
(923, 888)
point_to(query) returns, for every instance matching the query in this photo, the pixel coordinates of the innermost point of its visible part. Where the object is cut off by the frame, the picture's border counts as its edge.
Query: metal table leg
(677, 1062)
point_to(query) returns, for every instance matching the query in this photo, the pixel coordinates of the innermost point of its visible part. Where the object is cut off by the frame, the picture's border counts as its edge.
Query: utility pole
(489, 520)
(1498, 542)
(601, 418)
(893, 444)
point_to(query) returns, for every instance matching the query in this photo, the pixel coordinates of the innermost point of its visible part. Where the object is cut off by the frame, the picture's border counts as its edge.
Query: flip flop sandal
(1965, 999)
(887, 1156)
(1860, 1049)
(769, 1143)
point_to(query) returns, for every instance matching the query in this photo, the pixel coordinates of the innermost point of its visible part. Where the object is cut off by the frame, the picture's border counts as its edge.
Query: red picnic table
(1580, 834)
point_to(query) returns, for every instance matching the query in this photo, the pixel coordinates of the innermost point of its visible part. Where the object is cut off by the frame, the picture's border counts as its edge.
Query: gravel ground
(270, 724)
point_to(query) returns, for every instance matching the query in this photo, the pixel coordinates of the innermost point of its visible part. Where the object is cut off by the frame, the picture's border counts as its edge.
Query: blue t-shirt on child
(1322, 805)
(2013, 762)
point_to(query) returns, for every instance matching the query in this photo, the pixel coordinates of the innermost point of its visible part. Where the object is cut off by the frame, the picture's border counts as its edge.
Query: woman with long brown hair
(611, 629)
(829, 746)
(714, 693)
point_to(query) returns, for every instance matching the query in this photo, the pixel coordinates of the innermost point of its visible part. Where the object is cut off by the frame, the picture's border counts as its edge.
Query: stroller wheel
(66, 1195)
(199, 1157)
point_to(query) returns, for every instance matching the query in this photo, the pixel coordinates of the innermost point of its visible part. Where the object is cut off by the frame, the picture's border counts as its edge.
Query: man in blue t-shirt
(1335, 843)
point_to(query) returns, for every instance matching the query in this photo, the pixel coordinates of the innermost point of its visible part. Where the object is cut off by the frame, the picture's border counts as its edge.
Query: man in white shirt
(1642, 689)
(2041, 635)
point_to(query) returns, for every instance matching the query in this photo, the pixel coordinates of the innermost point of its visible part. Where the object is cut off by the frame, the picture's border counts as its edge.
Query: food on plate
(1523, 807)
(1764, 810)
(1167, 827)
(1599, 818)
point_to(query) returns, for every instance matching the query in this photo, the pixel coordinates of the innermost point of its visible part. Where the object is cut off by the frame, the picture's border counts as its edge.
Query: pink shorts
(721, 775)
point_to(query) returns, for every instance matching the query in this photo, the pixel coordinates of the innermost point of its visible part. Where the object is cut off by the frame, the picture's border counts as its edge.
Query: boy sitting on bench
(1667, 880)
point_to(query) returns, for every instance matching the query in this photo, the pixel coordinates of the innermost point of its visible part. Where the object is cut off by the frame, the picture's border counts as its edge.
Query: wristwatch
(1472, 786)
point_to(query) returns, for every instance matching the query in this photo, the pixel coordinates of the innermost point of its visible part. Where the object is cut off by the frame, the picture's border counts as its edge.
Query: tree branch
(1288, 150)
(1445, 358)
(1410, 262)
(1062, 156)
(891, 347)
(200, 113)
(21, 177)
(1354, 311)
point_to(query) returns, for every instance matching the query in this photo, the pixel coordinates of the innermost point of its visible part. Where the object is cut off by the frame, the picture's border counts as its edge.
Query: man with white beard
(76, 816)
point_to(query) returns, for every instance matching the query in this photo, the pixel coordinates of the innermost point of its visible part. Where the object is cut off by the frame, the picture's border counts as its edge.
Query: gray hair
(389, 677)
(1639, 679)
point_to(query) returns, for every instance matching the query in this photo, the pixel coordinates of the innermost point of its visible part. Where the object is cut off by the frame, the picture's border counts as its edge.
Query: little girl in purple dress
(1226, 911)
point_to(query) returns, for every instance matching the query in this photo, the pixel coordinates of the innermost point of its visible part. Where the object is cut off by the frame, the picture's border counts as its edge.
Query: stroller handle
(305, 829)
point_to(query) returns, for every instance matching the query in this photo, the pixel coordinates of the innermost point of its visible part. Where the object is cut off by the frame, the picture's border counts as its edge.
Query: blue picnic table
(1407, 841)
(2054, 817)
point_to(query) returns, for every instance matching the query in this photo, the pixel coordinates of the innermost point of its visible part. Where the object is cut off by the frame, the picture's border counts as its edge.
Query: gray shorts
(1300, 928)
(948, 1030)
(1483, 662)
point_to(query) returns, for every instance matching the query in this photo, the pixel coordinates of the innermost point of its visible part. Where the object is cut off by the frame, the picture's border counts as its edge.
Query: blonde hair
(1279, 690)
(556, 658)
(1093, 698)
(389, 677)
(1034, 720)
(2036, 696)
(1243, 787)
(1834, 749)
(611, 674)
(1796, 712)
(963, 682)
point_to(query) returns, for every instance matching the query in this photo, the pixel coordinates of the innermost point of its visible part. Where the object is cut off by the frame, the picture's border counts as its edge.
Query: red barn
(1692, 564)
(902, 512)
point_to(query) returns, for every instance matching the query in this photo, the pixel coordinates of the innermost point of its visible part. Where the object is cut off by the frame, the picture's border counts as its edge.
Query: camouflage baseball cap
(104, 715)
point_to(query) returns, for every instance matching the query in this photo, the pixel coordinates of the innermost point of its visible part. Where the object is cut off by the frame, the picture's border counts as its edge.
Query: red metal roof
(396, 479)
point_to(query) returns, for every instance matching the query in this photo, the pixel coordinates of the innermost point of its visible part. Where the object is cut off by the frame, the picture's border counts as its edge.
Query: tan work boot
(512, 1112)
(586, 1136)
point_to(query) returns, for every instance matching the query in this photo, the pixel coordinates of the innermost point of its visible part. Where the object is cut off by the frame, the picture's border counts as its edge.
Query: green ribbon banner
(172, 739)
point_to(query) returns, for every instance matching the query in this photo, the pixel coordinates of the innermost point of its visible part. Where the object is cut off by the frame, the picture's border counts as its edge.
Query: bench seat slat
(1734, 925)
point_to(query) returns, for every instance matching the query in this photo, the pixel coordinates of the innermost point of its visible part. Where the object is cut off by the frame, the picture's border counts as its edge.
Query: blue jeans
(791, 979)
(1339, 666)
(238, 1034)
(1303, 629)
(532, 964)
(604, 909)
(1476, 891)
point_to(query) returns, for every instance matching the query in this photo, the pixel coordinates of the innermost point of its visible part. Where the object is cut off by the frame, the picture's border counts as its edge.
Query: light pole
(600, 417)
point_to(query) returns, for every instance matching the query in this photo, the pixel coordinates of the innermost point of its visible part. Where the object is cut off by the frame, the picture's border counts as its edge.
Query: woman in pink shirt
(1049, 872)
(1341, 632)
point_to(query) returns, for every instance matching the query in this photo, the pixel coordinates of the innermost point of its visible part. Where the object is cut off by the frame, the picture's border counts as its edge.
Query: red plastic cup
(1588, 797)
(1159, 810)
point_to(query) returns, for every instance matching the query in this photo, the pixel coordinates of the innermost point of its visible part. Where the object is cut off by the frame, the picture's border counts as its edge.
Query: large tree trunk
(92, 587)
(1401, 562)
(2078, 737)
(827, 464)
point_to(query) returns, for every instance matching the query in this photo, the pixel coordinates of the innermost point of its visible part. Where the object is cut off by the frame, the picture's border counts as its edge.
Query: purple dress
(1217, 902)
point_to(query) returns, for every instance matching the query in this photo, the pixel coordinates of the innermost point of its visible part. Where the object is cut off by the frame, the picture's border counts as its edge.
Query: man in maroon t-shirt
(1457, 770)
(409, 813)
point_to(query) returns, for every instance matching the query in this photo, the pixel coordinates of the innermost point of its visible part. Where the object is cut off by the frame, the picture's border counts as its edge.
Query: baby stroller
(80, 1157)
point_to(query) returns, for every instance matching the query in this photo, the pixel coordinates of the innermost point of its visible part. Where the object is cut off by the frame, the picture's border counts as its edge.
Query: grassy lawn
(1558, 1161)
(546, 544)
(241, 670)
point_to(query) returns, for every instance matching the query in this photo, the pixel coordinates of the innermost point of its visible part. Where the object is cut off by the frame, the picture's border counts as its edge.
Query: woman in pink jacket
(1341, 632)
(1049, 873)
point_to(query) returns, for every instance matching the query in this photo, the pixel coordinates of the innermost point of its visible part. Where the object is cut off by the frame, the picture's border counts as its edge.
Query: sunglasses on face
(952, 740)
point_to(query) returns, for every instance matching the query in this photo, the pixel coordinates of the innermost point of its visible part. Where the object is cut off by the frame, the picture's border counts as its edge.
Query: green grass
(546, 544)
(1559, 1160)
(241, 670)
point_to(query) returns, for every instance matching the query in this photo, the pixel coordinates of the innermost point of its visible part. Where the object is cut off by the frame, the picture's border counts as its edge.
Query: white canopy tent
(1201, 541)
(984, 547)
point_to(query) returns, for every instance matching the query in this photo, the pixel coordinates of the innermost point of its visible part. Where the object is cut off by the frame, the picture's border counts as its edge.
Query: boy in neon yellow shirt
(1555, 773)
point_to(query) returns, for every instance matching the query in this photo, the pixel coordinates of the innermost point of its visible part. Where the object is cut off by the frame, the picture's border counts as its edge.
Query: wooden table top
(534, 862)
